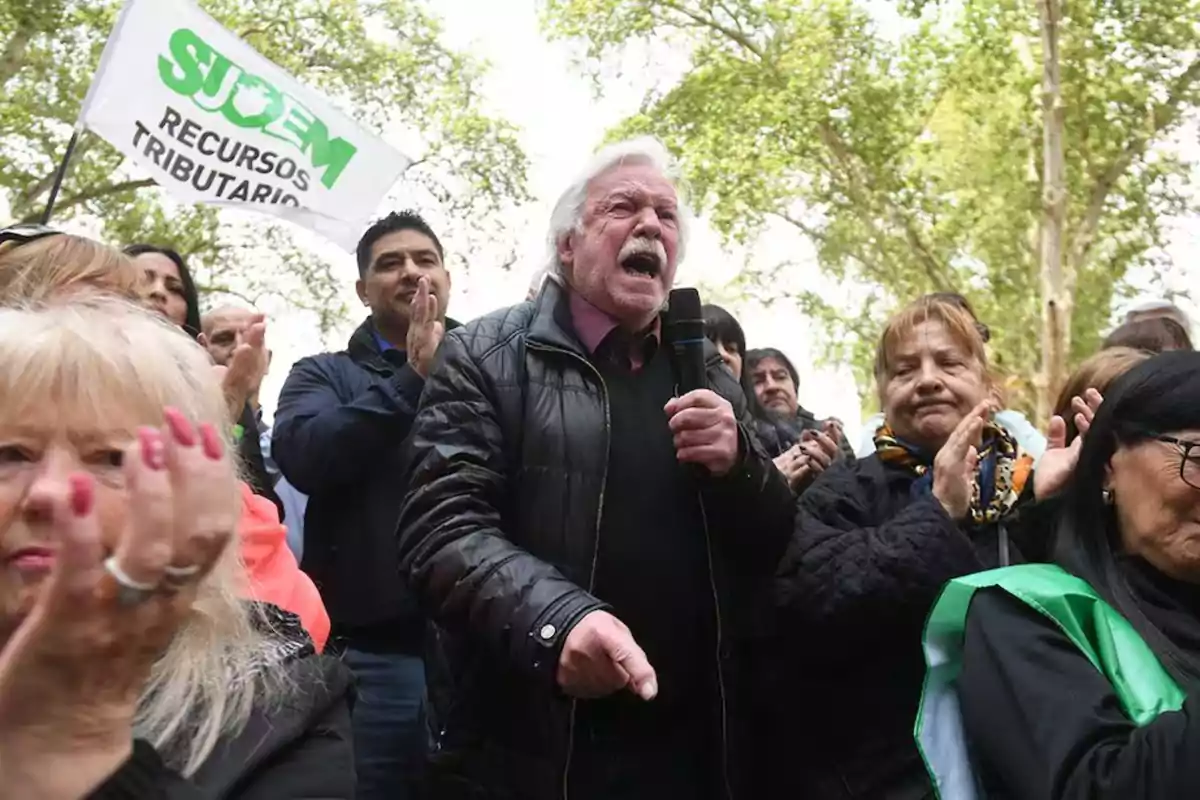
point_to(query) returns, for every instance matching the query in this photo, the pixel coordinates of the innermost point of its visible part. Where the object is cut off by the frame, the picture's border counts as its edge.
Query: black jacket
(499, 537)
(250, 454)
(341, 421)
(840, 673)
(298, 750)
(1045, 724)
(779, 434)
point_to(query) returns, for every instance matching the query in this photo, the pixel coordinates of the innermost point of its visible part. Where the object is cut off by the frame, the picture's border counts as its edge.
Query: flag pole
(62, 173)
(80, 123)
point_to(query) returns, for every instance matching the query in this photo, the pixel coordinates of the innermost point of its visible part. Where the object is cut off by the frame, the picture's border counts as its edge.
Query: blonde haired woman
(37, 262)
(129, 667)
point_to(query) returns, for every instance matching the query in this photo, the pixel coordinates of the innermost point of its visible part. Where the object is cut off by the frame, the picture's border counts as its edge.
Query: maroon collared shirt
(594, 326)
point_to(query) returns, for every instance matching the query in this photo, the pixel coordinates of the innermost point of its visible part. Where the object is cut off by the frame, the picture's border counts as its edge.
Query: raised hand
(1058, 462)
(821, 446)
(705, 430)
(247, 367)
(600, 657)
(955, 464)
(73, 671)
(425, 329)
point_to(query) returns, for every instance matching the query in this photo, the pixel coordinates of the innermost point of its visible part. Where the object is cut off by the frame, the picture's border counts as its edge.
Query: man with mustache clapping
(586, 540)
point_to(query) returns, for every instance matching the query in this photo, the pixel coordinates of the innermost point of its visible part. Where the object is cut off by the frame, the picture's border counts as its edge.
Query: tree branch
(1164, 115)
(859, 187)
(711, 23)
(93, 194)
(31, 193)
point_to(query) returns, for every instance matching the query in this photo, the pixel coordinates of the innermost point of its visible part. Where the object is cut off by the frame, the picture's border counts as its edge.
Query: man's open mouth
(642, 264)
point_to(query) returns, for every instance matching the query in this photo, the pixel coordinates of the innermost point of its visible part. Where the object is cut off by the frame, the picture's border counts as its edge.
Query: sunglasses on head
(24, 234)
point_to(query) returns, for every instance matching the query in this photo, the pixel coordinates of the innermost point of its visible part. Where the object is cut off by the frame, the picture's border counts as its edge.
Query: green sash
(1105, 638)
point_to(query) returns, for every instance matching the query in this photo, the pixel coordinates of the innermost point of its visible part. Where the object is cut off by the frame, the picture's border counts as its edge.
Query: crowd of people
(514, 559)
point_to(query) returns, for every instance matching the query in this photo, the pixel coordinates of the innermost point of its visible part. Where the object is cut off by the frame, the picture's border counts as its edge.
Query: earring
(1107, 497)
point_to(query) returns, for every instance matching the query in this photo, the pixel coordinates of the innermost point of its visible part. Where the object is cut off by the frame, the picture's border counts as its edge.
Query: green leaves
(381, 61)
(908, 150)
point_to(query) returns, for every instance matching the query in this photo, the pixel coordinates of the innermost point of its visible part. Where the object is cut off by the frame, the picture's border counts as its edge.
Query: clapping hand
(794, 465)
(955, 464)
(1058, 462)
(247, 367)
(425, 329)
(73, 671)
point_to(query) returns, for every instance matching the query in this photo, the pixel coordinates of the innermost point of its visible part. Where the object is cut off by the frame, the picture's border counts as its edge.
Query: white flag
(215, 122)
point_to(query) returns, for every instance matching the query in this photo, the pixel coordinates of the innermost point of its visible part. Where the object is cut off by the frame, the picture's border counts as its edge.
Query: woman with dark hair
(1081, 681)
(771, 379)
(723, 330)
(169, 285)
(170, 290)
(1152, 334)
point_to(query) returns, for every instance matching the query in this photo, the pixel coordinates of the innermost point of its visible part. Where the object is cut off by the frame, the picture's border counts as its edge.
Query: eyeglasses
(1189, 465)
(24, 234)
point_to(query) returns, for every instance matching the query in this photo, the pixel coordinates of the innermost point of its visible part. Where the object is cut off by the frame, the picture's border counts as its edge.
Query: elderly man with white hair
(588, 542)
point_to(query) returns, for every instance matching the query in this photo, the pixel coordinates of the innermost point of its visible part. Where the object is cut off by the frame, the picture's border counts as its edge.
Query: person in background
(802, 446)
(587, 542)
(227, 331)
(723, 330)
(38, 262)
(170, 289)
(874, 541)
(339, 426)
(1110, 708)
(1032, 440)
(799, 460)
(1152, 334)
(1095, 373)
(1152, 309)
(129, 667)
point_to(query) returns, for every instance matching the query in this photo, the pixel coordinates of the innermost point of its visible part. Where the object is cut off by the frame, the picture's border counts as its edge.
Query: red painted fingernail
(211, 442)
(181, 429)
(83, 495)
(154, 452)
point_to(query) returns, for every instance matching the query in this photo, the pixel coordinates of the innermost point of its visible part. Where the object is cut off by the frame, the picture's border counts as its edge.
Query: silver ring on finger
(129, 592)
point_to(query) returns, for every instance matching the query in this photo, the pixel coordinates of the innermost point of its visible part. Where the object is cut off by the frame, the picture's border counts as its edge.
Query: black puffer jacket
(299, 747)
(840, 677)
(499, 538)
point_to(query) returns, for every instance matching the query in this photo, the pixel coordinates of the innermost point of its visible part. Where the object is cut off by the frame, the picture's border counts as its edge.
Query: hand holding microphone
(702, 421)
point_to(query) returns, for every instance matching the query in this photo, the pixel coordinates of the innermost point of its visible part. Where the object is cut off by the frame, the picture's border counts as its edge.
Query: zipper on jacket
(712, 582)
(566, 774)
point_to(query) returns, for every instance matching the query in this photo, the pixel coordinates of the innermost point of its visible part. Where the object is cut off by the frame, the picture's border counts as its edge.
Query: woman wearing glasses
(1082, 681)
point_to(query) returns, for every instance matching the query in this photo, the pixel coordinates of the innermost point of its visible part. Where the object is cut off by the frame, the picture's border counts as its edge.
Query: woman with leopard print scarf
(875, 541)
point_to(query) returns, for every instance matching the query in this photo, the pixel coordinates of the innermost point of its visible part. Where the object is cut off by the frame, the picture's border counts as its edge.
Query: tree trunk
(1056, 300)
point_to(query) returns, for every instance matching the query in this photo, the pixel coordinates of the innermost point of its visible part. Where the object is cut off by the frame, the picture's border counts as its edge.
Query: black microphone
(683, 330)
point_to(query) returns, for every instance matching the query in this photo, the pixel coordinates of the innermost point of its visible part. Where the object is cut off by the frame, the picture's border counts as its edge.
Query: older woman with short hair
(874, 541)
(126, 653)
